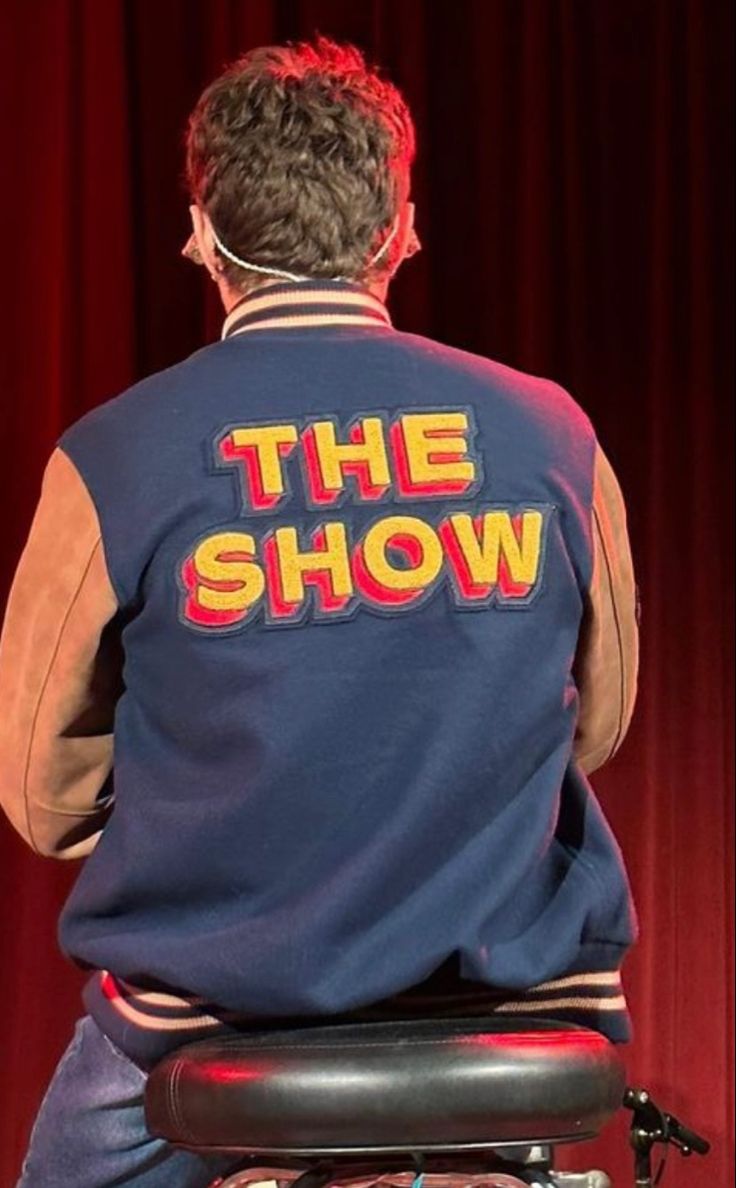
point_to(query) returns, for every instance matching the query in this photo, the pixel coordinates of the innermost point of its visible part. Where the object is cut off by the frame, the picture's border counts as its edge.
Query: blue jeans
(90, 1131)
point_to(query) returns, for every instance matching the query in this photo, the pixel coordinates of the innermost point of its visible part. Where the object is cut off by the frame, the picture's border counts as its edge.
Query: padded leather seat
(429, 1085)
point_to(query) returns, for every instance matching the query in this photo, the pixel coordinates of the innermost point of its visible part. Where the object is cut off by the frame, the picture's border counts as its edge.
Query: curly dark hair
(300, 155)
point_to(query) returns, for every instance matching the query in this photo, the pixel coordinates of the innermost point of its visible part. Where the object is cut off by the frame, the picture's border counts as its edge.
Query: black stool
(488, 1098)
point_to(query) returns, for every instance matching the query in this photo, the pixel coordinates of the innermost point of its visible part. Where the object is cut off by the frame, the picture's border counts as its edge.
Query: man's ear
(408, 238)
(202, 229)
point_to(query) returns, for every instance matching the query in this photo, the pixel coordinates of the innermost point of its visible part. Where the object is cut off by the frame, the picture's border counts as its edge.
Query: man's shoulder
(530, 396)
(128, 412)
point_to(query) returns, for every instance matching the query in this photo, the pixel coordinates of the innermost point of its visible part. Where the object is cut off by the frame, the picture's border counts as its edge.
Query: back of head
(300, 155)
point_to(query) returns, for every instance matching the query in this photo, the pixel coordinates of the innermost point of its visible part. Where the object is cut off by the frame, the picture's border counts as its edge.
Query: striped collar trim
(306, 304)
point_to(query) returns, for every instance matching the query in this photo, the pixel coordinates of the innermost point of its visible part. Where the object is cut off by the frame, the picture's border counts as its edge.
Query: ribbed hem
(146, 1025)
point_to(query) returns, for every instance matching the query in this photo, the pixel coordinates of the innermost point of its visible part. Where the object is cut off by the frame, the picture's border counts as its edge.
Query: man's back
(312, 640)
(343, 750)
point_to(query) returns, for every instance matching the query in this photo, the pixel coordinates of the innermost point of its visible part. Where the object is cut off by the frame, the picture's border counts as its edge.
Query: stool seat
(431, 1085)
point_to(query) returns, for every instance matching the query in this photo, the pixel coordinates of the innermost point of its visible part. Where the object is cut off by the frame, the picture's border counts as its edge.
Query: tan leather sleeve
(607, 659)
(60, 674)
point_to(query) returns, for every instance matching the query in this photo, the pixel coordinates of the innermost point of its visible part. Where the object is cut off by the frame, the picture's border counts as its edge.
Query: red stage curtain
(574, 192)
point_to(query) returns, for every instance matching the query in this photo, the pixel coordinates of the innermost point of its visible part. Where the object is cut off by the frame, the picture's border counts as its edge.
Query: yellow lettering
(420, 542)
(294, 563)
(499, 541)
(225, 561)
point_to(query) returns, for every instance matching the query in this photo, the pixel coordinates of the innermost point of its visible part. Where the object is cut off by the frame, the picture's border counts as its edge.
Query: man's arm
(607, 659)
(60, 674)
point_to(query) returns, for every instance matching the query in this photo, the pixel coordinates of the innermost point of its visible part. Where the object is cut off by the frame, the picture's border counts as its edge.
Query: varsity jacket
(315, 639)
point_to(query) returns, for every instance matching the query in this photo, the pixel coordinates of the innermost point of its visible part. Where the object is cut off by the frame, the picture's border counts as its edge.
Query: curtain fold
(574, 192)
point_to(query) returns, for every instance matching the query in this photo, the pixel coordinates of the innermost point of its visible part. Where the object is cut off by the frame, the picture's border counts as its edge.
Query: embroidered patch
(286, 575)
(417, 454)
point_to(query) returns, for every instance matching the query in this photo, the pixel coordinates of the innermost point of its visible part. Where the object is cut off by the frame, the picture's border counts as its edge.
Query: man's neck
(231, 297)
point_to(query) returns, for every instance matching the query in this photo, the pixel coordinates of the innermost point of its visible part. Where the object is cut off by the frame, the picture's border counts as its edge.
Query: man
(356, 612)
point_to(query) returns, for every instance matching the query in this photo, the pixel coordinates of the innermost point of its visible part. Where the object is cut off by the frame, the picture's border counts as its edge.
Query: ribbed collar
(304, 304)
